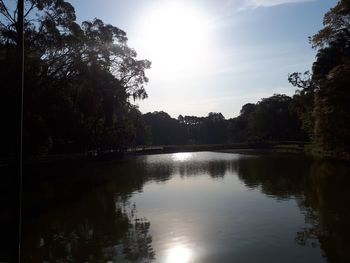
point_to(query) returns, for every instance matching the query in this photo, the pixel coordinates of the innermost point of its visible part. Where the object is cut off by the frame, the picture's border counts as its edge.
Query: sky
(214, 55)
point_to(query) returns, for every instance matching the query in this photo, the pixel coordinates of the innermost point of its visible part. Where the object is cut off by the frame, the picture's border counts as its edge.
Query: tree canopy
(322, 102)
(79, 79)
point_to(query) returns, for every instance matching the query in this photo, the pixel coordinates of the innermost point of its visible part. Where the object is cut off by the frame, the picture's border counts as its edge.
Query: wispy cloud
(249, 4)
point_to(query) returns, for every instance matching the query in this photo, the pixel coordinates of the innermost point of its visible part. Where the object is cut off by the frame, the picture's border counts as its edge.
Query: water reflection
(321, 191)
(162, 167)
(181, 156)
(93, 225)
(179, 254)
(118, 212)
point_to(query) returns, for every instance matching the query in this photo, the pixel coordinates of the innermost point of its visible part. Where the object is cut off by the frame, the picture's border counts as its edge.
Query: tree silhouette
(79, 80)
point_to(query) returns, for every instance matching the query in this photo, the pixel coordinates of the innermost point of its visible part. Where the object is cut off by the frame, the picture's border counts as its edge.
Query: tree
(214, 128)
(331, 75)
(336, 22)
(79, 79)
(332, 111)
(164, 129)
(272, 120)
(302, 104)
(322, 99)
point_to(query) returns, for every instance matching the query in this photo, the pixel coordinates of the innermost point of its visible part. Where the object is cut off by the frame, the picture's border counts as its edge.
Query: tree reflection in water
(84, 213)
(326, 206)
(321, 191)
(94, 224)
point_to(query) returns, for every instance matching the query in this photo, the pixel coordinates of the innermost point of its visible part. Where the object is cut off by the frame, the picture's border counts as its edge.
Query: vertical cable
(20, 32)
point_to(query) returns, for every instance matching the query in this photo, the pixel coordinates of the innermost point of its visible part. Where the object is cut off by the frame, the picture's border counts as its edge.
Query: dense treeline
(271, 119)
(79, 80)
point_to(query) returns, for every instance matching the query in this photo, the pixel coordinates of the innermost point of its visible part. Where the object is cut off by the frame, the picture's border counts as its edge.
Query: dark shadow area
(9, 216)
(83, 218)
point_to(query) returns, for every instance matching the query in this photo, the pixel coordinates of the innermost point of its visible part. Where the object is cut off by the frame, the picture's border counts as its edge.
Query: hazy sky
(214, 55)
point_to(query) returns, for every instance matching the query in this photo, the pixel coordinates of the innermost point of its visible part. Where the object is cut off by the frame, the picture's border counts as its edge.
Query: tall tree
(322, 99)
(79, 79)
(331, 75)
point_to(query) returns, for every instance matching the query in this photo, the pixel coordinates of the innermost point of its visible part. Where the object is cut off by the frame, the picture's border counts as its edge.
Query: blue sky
(214, 55)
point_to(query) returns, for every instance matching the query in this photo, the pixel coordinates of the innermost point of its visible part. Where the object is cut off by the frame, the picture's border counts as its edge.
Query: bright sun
(174, 36)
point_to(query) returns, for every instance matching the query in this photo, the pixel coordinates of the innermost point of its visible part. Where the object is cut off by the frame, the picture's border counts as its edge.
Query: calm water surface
(189, 207)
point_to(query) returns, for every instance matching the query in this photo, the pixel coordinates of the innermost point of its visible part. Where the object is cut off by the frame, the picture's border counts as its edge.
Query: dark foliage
(79, 80)
(268, 120)
(322, 101)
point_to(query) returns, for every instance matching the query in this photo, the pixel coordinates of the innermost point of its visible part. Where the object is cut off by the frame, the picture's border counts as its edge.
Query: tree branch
(30, 9)
(7, 14)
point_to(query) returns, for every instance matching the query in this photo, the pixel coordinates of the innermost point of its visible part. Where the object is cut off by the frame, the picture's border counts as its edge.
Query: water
(189, 207)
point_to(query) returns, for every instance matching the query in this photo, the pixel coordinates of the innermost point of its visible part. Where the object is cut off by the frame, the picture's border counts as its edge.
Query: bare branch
(15, 12)
(7, 13)
(29, 10)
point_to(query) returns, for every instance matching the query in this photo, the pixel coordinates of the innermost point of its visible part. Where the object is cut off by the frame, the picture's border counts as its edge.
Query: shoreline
(256, 147)
(292, 147)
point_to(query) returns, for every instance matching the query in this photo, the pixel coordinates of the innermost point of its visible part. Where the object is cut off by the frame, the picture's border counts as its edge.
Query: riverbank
(291, 147)
(257, 147)
(251, 147)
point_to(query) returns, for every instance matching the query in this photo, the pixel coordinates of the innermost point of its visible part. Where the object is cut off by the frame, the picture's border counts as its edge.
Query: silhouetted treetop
(336, 22)
(322, 101)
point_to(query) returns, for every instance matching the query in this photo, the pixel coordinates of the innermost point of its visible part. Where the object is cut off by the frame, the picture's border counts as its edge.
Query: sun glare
(181, 156)
(174, 36)
(179, 254)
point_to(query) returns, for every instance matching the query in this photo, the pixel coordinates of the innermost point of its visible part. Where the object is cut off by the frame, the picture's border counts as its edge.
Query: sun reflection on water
(179, 254)
(181, 156)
